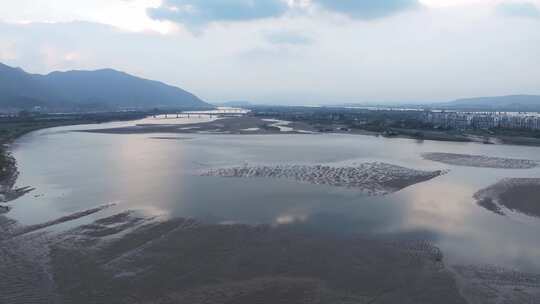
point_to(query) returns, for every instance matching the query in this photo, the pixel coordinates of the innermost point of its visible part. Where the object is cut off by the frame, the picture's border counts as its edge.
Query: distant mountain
(88, 90)
(518, 103)
(19, 89)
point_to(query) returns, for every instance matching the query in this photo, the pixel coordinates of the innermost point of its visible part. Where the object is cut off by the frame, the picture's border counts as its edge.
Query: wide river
(74, 171)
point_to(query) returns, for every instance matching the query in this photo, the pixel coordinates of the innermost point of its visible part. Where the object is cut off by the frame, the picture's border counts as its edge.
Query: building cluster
(483, 120)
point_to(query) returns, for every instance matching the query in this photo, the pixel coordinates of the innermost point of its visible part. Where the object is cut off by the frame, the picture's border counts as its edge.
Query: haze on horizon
(288, 51)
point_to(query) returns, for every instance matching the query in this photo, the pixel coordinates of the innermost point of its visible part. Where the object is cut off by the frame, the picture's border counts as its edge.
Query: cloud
(391, 59)
(519, 9)
(196, 13)
(129, 15)
(7, 51)
(199, 12)
(287, 38)
(367, 9)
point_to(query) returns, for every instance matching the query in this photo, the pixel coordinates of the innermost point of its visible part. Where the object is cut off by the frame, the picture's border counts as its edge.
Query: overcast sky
(288, 51)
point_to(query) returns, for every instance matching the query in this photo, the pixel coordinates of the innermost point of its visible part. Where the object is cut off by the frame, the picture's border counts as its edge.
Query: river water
(156, 175)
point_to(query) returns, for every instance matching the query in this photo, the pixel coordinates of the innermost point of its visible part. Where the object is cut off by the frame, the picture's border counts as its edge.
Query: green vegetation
(393, 123)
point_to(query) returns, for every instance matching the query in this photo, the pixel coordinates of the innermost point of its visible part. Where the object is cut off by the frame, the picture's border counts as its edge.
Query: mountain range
(105, 89)
(108, 89)
(508, 103)
(517, 103)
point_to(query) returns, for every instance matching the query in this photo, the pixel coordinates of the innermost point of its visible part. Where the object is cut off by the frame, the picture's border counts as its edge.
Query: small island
(370, 178)
(513, 194)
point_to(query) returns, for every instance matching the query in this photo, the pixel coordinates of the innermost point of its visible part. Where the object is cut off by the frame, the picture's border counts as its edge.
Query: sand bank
(231, 125)
(512, 194)
(370, 178)
(480, 161)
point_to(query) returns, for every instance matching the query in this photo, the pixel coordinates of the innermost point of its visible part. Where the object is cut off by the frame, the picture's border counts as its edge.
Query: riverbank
(255, 125)
(236, 125)
(396, 123)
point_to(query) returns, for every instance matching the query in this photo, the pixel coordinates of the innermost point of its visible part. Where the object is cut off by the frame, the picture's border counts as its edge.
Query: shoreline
(10, 173)
(254, 125)
(12, 129)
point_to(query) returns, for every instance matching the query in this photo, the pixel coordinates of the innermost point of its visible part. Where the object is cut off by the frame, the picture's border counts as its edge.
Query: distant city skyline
(308, 52)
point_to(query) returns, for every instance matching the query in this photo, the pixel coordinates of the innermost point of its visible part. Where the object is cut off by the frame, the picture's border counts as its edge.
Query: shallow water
(74, 171)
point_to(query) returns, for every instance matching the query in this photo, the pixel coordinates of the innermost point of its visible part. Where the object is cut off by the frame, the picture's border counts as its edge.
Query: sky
(307, 52)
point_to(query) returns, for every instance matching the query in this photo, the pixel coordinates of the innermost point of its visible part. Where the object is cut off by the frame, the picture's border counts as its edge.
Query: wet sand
(25, 276)
(230, 125)
(480, 161)
(184, 261)
(513, 194)
(25, 266)
(127, 258)
(369, 178)
(67, 218)
(490, 285)
(130, 258)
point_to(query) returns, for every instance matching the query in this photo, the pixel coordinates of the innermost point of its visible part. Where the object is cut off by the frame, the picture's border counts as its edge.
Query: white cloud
(128, 15)
(434, 53)
(485, 3)
(200, 12)
(519, 9)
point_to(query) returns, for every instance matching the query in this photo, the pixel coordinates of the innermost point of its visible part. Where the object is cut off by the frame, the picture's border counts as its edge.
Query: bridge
(200, 114)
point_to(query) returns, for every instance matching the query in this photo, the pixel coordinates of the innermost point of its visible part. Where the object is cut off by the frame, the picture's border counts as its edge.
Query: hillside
(88, 90)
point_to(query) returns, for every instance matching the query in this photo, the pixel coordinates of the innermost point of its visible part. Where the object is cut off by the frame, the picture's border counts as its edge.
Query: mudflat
(513, 194)
(370, 178)
(228, 125)
(128, 258)
(184, 261)
(480, 161)
(485, 284)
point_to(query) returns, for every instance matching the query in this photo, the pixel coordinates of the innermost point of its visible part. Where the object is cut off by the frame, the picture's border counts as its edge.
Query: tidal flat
(228, 125)
(480, 161)
(520, 195)
(184, 261)
(296, 234)
(369, 178)
(131, 258)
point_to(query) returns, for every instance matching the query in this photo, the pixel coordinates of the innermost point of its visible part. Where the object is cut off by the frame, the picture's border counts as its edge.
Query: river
(156, 175)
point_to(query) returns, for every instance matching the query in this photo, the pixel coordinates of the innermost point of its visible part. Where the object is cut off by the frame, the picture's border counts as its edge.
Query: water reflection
(75, 171)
